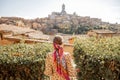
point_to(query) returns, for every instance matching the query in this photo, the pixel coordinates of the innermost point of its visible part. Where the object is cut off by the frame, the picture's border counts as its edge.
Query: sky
(107, 10)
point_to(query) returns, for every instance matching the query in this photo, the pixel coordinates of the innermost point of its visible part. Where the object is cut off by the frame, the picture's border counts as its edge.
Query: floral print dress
(50, 67)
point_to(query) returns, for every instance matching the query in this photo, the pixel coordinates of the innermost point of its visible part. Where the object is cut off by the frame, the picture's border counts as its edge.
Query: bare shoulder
(49, 54)
(67, 54)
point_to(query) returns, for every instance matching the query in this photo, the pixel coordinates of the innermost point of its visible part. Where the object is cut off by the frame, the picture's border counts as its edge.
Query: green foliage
(23, 61)
(82, 29)
(77, 29)
(98, 59)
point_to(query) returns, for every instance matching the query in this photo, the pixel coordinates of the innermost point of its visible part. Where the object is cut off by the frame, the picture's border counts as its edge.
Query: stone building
(59, 14)
(101, 33)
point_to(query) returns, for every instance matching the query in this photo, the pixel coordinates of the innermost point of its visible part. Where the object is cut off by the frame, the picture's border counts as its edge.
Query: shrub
(23, 61)
(98, 59)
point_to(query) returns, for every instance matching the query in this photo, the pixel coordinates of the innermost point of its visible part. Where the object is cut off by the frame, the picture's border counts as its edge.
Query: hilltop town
(61, 22)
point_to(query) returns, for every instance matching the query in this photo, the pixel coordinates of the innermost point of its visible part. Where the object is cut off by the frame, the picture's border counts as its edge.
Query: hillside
(21, 32)
(61, 22)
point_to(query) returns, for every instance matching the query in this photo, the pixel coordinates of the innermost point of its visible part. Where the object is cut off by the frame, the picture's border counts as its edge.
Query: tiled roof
(15, 29)
(26, 31)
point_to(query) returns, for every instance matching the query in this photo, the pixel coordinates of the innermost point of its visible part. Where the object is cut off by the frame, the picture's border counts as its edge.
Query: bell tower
(63, 10)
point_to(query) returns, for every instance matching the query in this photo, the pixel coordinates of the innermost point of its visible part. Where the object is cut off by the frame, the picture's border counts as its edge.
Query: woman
(58, 64)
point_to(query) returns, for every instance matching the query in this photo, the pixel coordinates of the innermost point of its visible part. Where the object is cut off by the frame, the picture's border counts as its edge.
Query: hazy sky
(107, 10)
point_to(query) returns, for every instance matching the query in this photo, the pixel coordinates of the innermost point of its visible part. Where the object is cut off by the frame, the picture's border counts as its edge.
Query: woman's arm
(48, 66)
(70, 66)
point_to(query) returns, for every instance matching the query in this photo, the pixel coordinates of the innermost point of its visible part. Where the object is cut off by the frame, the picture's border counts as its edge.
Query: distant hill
(61, 22)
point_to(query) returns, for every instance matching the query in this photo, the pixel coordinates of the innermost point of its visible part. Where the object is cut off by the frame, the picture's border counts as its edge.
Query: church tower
(63, 12)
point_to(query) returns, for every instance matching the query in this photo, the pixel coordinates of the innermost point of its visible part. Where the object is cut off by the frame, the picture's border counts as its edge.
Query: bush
(98, 59)
(23, 61)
